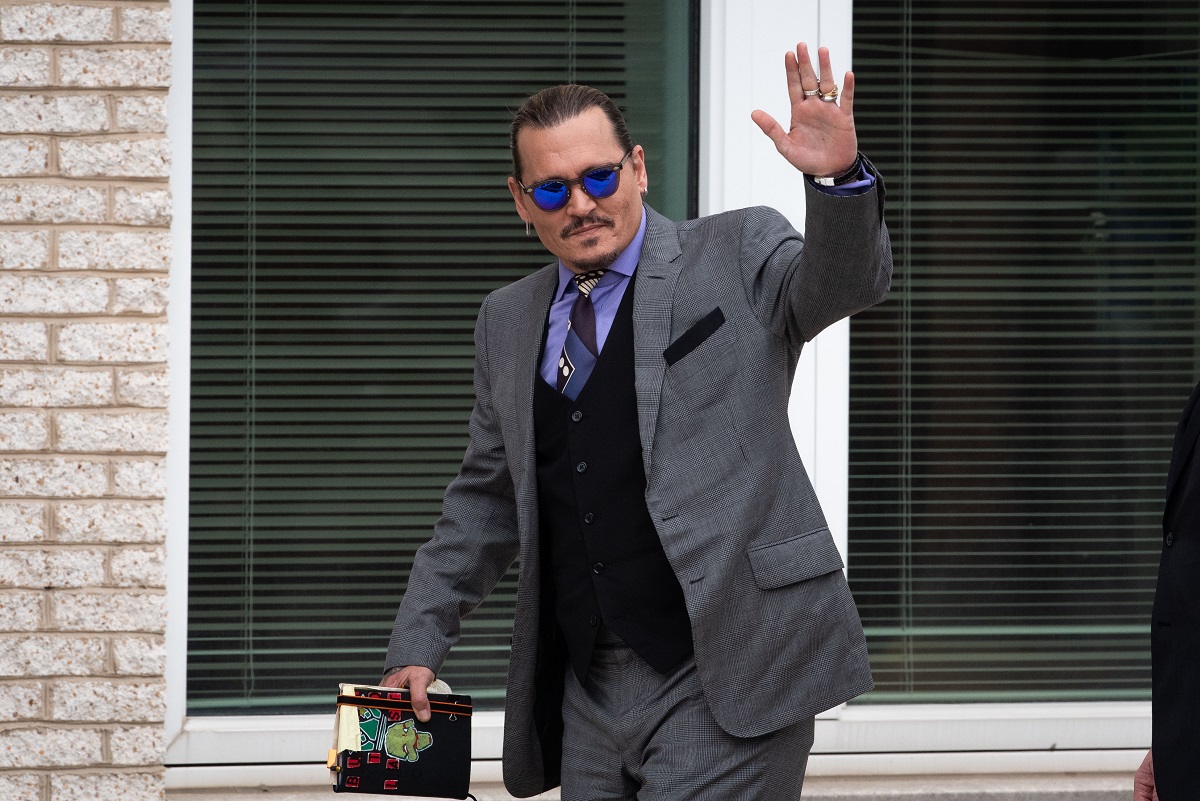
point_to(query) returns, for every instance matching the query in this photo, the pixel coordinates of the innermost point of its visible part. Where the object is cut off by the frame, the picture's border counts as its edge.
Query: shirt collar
(625, 264)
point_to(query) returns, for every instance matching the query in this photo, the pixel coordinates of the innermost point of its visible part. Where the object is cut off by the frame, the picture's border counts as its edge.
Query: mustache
(583, 222)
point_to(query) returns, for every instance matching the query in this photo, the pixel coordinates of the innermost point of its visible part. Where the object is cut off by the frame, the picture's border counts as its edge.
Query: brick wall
(84, 254)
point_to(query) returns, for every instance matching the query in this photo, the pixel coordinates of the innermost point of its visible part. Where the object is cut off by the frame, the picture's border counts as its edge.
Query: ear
(518, 199)
(639, 168)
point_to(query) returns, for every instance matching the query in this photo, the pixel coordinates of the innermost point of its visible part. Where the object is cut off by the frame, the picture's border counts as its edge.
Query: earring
(528, 231)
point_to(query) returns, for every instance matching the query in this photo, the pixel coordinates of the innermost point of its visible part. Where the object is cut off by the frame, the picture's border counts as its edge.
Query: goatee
(601, 262)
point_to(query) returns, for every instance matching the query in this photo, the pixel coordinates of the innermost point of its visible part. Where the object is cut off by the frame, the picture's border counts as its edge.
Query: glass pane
(1013, 403)
(350, 213)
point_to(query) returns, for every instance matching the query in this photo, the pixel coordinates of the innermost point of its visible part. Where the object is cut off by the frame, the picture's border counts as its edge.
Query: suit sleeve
(799, 285)
(473, 544)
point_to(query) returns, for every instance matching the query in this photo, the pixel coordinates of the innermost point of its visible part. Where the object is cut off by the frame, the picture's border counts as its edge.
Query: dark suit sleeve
(474, 542)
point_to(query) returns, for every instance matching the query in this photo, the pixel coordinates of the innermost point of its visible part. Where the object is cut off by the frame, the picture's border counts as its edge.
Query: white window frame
(741, 55)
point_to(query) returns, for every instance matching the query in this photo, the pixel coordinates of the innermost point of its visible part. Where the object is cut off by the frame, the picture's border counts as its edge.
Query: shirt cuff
(859, 185)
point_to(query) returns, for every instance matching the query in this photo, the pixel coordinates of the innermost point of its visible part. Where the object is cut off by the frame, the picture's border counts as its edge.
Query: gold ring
(831, 95)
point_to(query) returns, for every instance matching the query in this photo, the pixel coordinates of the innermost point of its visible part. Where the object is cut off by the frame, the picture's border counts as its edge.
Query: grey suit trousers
(634, 733)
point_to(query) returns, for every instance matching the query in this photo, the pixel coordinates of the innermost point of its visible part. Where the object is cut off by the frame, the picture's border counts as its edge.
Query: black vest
(602, 560)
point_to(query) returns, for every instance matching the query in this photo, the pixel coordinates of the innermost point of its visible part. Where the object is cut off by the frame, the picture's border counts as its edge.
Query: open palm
(820, 139)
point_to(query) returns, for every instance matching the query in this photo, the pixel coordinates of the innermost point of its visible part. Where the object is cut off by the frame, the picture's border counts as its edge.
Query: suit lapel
(657, 274)
(527, 339)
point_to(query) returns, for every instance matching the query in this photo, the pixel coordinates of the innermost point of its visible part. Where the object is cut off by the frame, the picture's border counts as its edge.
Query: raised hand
(820, 140)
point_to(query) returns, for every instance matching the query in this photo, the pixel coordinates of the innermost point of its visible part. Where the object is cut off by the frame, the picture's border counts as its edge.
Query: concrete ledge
(1047, 787)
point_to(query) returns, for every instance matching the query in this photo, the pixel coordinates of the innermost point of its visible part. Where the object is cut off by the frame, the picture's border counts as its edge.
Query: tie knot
(587, 282)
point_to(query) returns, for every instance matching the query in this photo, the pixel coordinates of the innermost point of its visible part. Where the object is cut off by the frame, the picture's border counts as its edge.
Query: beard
(601, 262)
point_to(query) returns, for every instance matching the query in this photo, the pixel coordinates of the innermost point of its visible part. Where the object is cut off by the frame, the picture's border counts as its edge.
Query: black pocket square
(690, 339)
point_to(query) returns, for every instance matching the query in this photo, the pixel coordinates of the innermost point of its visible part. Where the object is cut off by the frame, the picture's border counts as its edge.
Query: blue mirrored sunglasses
(598, 182)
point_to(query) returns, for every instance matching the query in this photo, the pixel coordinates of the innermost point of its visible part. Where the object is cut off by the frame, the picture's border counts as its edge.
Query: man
(1169, 772)
(681, 612)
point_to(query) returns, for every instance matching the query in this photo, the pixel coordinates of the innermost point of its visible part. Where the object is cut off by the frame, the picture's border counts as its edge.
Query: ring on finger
(811, 92)
(829, 96)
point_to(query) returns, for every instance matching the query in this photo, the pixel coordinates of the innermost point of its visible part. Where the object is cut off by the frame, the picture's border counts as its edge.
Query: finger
(827, 80)
(770, 127)
(419, 698)
(847, 94)
(808, 77)
(790, 68)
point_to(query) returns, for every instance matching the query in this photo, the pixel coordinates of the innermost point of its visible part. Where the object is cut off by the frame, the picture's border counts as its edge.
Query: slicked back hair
(554, 105)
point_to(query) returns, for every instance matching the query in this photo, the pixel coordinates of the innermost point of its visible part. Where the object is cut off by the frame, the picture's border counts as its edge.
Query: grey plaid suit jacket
(777, 636)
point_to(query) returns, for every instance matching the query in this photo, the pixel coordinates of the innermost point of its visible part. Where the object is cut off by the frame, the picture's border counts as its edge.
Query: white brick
(52, 294)
(142, 206)
(22, 611)
(106, 432)
(24, 431)
(147, 388)
(113, 342)
(114, 250)
(140, 295)
(130, 158)
(138, 568)
(53, 203)
(146, 113)
(22, 522)
(48, 748)
(146, 24)
(21, 701)
(53, 478)
(140, 656)
(138, 745)
(53, 114)
(101, 68)
(24, 250)
(142, 478)
(51, 568)
(108, 701)
(24, 342)
(51, 656)
(55, 386)
(21, 786)
(24, 67)
(122, 786)
(56, 23)
(24, 156)
(111, 521)
(110, 611)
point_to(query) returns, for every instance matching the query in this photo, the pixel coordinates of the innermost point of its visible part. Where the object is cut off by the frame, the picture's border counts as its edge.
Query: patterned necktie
(579, 351)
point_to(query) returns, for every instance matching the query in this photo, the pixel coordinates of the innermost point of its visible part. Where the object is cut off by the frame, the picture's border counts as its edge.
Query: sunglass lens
(601, 183)
(550, 195)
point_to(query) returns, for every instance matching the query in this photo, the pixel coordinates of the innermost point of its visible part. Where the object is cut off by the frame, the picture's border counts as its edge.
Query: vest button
(593, 620)
(1170, 539)
(598, 568)
(589, 518)
(577, 416)
(581, 467)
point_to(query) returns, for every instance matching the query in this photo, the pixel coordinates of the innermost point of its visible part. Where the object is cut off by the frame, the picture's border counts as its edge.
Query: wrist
(854, 173)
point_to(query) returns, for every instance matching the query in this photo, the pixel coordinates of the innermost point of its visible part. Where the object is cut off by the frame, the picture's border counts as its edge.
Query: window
(350, 213)
(1013, 403)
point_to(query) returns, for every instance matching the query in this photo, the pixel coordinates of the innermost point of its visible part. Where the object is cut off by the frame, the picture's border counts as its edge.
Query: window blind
(1013, 403)
(350, 213)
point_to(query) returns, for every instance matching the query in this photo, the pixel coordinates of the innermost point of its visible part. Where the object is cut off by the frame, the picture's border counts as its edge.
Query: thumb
(770, 127)
(418, 686)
